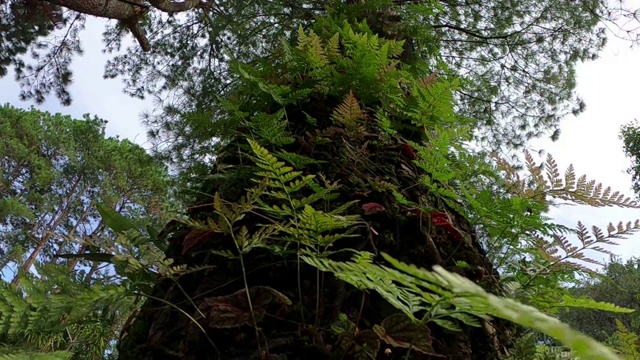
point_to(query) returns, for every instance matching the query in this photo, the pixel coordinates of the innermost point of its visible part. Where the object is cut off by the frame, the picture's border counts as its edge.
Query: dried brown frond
(348, 112)
(561, 254)
(429, 79)
(566, 187)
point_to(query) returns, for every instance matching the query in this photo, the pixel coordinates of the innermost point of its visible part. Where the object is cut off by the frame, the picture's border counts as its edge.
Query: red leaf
(194, 239)
(414, 212)
(443, 219)
(440, 222)
(372, 208)
(407, 150)
(440, 218)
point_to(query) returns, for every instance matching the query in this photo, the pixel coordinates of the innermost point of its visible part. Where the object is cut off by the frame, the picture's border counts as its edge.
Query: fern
(627, 343)
(312, 45)
(305, 225)
(298, 161)
(532, 251)
(349, 112)
(565, 186)
(57, 312)
(271, 127)
(412, 290)
(559, 251)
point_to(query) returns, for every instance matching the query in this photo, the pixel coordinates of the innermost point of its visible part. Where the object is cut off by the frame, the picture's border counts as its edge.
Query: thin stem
(246, 282)
(187, 315)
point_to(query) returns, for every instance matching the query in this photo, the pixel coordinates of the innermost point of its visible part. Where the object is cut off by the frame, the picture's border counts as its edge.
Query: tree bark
(48, 230)
(129, 12)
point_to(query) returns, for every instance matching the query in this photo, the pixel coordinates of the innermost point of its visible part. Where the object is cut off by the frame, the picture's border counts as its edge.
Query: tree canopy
(55, 172)
(516, 58)
(620, 285)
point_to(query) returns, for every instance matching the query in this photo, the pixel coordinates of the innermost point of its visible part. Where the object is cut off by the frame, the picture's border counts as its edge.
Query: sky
(609, 86)
(590, 141)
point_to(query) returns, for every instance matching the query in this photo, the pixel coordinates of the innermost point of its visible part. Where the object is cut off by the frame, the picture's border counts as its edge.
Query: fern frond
(298, 161)
(271, 128)
(411, 289)
(580, 191)
(559, 252)
(333, 47)
(588, 303)
(626, 342)
(348, 112)
(311, 44)
(584, 346)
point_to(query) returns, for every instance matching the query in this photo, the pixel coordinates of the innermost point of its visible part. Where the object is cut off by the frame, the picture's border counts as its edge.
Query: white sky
(590, 141)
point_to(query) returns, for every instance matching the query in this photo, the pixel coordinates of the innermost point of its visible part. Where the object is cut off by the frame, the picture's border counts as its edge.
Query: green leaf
(113, 219)
(153, 233)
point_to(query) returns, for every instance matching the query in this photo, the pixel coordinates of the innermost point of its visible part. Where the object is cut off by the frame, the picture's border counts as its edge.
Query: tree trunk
(48, 230)
(302, 330)
(160, 331)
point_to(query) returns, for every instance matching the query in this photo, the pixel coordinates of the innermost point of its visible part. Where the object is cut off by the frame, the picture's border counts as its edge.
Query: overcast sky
(589, 141)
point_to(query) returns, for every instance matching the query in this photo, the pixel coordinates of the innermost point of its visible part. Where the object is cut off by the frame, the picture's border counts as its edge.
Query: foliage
(344, 144)
(618, 284)
(518, 75)
(626, 342)
(48, 35)
(630, 136)
(57, 311)
(415, 286)
(439, 296)
(54, 174)
(300, 215)
(536, 257)
(54, 171)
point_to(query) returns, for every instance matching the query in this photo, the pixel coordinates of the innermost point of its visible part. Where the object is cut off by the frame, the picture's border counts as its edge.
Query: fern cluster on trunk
(349, 150)
(335, 160)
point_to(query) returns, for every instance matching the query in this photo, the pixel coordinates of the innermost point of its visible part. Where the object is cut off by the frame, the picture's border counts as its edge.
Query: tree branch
(170, 6)
(129, 12)
(110, 9)
(474, 34)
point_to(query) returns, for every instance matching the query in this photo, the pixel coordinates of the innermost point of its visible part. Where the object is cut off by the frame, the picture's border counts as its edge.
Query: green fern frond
(626, 342)
(271, 128)
(333, 47)
(582, 345)
(411, 289)
(313, 226)
(298, 161)
(524, 347)
(311, 44)
(588, 303)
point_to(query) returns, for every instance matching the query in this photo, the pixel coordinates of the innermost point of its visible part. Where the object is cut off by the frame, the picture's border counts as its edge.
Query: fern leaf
(348, 112)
